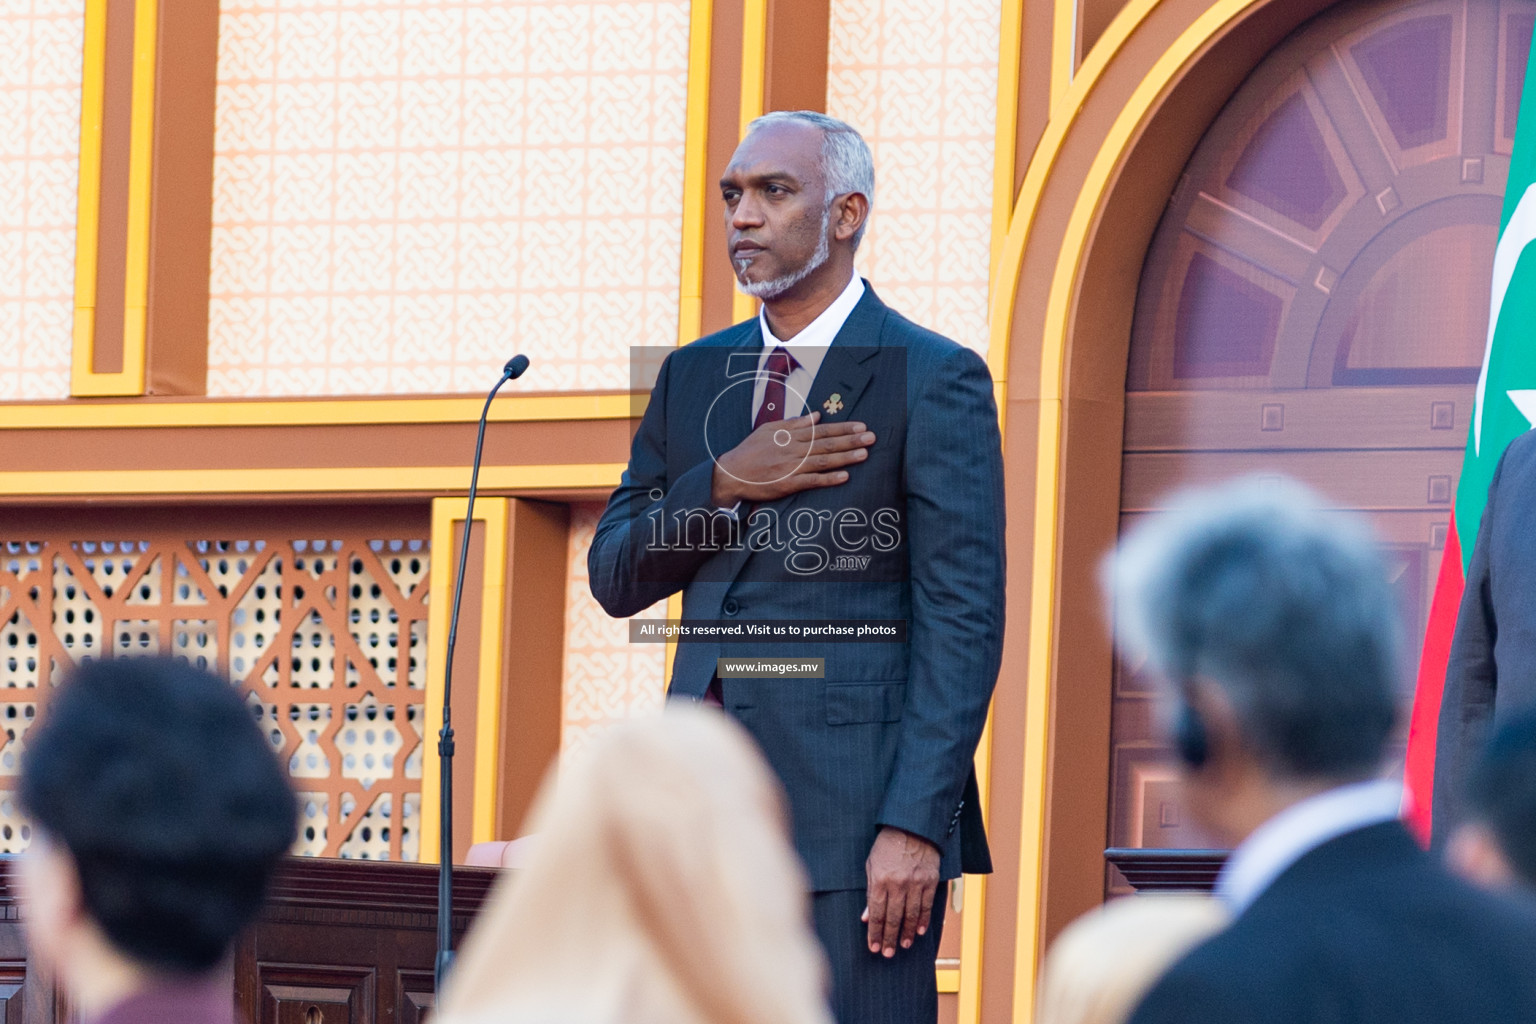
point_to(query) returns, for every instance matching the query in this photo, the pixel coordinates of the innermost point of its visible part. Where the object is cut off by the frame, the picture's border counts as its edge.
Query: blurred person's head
(159, 813)
(1496, 845)
(661, 889)
(1273, 631)
(1103, 963)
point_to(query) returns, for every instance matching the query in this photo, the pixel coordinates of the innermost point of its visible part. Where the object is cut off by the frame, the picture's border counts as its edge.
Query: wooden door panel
(293, 994)
(1313, 305)
(414, 996)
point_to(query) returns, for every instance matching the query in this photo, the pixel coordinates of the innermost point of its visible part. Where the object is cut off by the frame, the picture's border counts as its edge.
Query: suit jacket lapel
(845, 371)
(729, 417)
(848, 365)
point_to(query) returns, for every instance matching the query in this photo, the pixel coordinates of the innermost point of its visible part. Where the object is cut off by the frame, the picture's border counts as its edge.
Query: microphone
(514, 369)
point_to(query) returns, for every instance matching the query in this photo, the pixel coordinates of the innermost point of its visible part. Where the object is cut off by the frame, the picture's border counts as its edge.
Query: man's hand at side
(903, 871)
(787, 456)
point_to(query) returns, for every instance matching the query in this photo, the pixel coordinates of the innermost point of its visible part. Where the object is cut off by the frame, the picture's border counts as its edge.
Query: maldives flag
(1504, 407)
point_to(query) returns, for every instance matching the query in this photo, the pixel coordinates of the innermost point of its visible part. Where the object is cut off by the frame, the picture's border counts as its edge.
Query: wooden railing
(1151, 870)
(341, 942)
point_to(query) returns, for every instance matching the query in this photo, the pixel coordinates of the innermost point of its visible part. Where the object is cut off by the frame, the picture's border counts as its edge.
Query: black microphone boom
(513, 370)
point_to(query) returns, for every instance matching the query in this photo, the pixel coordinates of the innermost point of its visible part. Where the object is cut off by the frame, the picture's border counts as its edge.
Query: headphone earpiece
(1189, 737)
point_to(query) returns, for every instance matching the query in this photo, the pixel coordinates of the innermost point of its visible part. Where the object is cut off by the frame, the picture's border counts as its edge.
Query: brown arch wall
(1092, 420)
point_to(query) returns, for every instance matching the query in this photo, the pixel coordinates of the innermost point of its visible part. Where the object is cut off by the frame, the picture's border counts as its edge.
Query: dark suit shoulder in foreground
(1365, 928)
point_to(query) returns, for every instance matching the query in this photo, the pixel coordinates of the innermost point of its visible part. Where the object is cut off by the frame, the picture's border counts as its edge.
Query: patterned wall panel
(326, 637)
(606, 677)
(919, 79)
(408, 191)
(40, 61)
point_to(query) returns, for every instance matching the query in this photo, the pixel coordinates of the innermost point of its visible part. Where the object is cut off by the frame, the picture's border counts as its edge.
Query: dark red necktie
(778, 368)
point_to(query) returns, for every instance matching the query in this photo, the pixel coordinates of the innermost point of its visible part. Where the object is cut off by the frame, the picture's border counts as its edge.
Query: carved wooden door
(1315, 304)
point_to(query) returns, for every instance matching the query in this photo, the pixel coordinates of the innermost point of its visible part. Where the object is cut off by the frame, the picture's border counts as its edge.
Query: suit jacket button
(730, 607)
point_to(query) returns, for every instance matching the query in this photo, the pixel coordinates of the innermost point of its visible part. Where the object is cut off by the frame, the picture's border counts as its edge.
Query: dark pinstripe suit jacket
(1491, 673)
(887, 738)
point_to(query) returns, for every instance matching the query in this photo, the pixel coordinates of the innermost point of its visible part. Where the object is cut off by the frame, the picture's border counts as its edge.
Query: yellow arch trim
(966, 981)
(191, 413)
(754, 61)
(1053, 365)
(493, 512)
(690, 301)
(84, 380)
(1006, 132)
(93, 91)
(65, 483)
(754, 85)
(141, 142)
(1063, 49)
(1063, 116)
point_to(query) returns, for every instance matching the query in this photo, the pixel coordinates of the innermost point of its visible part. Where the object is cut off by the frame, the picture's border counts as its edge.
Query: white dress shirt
(807, 348)
(1298, 830)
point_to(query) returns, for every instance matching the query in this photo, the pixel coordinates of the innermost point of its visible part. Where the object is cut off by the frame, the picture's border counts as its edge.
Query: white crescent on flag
(1525, 401)
(1517, 234)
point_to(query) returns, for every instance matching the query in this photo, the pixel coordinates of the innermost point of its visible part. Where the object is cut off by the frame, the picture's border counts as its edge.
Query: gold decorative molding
(446, 512)
(317, 412)
(302, 480)
(690, 311)
(85, 380)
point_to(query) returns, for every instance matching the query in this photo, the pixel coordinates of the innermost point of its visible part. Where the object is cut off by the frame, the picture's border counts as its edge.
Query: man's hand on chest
(787, 456)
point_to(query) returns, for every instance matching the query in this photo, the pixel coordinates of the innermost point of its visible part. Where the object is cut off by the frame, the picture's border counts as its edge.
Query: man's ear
(1218, 719)
(51, 871)
(851, 211)
(1473, 852)
(55, 904)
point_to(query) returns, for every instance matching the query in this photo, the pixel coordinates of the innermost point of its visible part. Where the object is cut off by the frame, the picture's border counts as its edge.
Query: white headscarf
(661, 889)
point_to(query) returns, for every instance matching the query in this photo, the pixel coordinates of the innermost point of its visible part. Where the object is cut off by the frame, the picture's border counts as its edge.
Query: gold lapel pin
(833, 404)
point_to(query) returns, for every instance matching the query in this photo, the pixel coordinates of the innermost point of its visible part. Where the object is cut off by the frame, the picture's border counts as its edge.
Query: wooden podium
(341, 942)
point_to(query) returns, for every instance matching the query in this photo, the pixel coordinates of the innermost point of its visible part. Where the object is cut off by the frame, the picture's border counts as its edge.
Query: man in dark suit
(1495, 845)
(830, 460)
(1273, 628)
(1491, 672)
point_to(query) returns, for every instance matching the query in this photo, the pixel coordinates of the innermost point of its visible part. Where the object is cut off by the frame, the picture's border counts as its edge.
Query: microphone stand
(513, 370)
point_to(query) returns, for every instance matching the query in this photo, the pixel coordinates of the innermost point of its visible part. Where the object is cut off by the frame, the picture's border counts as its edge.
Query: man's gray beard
(774, 287)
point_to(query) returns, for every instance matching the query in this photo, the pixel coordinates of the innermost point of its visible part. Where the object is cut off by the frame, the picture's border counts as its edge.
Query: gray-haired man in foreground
(1273, 629)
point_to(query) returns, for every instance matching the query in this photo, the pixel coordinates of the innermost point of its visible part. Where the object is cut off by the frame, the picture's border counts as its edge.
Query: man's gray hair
(846, 162)
(1285, 607)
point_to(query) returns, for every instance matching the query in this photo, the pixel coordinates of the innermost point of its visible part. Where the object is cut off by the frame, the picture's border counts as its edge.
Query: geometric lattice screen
(327, 637)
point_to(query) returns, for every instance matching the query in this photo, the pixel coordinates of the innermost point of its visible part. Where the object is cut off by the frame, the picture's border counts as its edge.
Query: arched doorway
(1314, 302)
